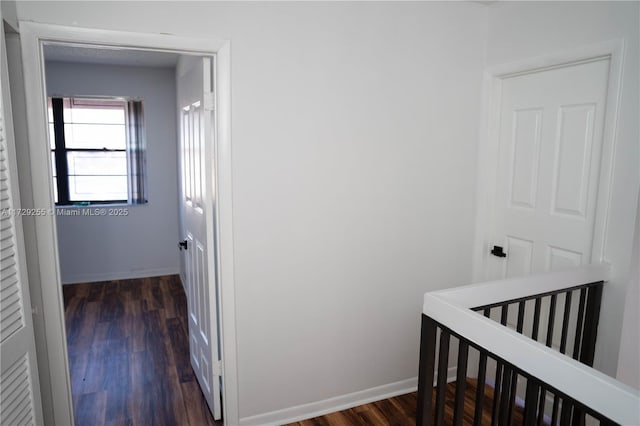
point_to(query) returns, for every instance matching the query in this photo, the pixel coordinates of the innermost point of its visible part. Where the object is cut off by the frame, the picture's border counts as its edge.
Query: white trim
(124, 275)
(488, 144)
(452, 373)
(592, 388)
(498, 291)
(344, 402)
(224, 204)
(33, 35)
(330, 405)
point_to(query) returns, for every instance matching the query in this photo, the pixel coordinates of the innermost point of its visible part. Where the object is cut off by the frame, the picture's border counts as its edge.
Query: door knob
(498, 251)
(182, 245)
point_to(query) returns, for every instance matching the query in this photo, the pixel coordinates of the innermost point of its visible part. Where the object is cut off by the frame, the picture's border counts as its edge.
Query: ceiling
(107, 56)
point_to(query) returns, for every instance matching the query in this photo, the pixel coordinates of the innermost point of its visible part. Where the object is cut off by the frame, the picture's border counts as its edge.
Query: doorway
(34, 38)
(112, 126)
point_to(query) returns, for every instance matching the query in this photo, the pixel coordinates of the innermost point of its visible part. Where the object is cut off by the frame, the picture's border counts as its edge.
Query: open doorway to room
(131, 142)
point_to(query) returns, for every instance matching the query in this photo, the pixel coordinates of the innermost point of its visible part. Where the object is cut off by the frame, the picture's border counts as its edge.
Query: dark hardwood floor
(129, 354)
(401, 411)
(129, 363)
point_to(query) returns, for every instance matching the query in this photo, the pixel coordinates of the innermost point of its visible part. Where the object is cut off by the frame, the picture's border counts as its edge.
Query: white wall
(354, 130)
(629, 359)
(519, 30)
(144, 243)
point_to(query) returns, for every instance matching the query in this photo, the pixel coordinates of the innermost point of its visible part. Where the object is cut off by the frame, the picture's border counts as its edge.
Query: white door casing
(546, 206)
(550, 135)
(51, 316)
(486, 266)
(20, 402)
(196, 116)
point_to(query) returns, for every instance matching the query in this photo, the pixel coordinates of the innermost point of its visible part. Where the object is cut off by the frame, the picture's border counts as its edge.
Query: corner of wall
(10, 13)
(628, 370)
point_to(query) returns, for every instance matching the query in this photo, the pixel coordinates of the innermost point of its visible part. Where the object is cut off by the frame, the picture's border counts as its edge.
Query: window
(97, 151)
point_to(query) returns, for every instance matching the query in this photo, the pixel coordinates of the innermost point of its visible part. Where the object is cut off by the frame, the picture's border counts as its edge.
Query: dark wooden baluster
(498, 390)
(482, 374)
(426, 369)
(548, 342)
(536, 319)
(541, 405)
(521, 311)
(566, 408)
(514, 376)
(504, 314)
(570, 413)
(443, 367)
(504, 400)
(554, 409)
(607, 422)
(578, 416)
(496, 394)
(552, 316)
(565, 322)
(531, 402)
(592, 316)
(565, 415)
(588, 346)
(577, 342)
(461, 382)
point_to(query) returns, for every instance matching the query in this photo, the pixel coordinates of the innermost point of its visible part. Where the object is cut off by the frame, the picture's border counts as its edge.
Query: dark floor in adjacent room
(129, 354)
(129, 363)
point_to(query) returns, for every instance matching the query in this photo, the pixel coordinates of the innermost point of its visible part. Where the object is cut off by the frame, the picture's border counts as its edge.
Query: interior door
(196, 110)
(551, 130)
(19, 386)
(550, 143)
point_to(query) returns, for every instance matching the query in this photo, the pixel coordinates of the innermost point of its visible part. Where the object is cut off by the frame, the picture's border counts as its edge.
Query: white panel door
(195, 100)
(19, 386)
(551, 131)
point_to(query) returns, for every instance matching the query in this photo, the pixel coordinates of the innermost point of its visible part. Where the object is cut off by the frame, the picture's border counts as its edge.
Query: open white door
(551, 135)
(19, 385)
(196, 110)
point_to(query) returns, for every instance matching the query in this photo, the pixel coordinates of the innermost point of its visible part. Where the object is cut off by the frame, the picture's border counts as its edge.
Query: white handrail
(487, 293)
(586, 385)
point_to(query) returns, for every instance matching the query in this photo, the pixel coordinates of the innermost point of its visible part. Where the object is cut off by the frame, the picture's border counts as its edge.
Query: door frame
(488, 141)
(51, 315)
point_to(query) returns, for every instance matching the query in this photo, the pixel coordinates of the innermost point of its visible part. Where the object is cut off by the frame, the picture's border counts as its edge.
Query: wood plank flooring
(129, 363)
(401, 411)
(129, 354)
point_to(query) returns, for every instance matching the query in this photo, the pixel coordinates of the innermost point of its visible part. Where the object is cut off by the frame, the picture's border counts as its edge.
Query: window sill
(99, 205)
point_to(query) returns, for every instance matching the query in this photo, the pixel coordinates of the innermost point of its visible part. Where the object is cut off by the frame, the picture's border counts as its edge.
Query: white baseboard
(111, 276)
(182, 281)
(452, 373)
(339, 403)
(319, 408)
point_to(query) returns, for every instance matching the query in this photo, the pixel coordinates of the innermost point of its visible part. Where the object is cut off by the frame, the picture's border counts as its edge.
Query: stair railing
(540, 372)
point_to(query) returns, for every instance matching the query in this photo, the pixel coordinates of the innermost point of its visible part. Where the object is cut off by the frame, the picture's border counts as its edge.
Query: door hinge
(217, 368)
(209, 101)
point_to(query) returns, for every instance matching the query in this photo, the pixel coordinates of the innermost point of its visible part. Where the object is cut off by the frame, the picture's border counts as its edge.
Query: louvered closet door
(19, 386)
